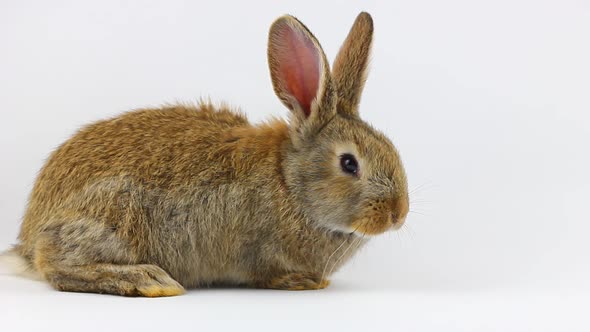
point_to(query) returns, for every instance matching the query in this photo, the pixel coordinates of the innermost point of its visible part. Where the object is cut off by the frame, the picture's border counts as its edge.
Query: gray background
(487, 101)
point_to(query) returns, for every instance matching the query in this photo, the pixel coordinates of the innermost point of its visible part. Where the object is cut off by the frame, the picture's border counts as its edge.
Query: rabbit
(156, 201)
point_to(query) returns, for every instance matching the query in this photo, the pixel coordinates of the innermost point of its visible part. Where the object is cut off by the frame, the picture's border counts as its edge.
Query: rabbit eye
(349, 164)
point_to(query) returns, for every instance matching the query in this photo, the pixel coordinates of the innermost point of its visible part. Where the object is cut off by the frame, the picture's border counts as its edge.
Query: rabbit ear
(350, 66)
(299, 70)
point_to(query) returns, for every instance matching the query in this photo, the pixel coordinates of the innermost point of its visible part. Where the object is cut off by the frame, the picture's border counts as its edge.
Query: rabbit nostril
(394, 219)
(397, 221)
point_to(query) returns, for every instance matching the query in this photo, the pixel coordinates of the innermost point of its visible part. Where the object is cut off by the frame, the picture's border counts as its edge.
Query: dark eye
(349, 164)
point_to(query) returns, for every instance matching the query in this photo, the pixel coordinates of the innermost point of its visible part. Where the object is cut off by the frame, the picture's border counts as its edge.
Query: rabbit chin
(349, 230)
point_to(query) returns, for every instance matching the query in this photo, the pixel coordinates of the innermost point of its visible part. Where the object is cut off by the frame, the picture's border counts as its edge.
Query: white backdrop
(487, 101)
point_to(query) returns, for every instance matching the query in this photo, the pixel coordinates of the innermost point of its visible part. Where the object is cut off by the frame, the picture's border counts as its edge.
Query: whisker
(414, 201)
(419, 205)
(409, 230)
(334, 252)
(330, 257)
(416, 212)
(356, 243)
(421, 187)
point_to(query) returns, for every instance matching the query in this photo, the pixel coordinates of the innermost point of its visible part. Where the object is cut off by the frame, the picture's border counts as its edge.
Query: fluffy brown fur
(156, 200)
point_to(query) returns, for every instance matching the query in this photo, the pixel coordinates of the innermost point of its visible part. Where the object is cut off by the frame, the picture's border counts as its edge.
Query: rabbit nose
(400, 211)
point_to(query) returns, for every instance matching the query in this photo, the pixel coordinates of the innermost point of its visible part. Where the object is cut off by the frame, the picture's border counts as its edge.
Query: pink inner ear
(299, 66)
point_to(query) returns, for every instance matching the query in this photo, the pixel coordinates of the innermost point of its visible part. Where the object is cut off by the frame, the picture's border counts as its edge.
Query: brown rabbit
(156, 200)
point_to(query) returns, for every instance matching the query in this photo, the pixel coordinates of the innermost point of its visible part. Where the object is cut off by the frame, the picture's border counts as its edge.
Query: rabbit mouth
(372, 226)
(398, 223)
(382, 215)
